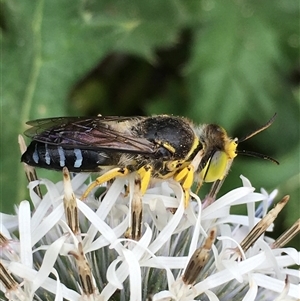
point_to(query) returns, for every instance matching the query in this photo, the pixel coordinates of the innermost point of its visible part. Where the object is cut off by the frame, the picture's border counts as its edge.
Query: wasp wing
(97, 133)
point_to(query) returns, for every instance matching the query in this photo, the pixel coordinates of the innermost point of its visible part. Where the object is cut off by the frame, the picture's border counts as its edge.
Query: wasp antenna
(258, 130)
(257, 155)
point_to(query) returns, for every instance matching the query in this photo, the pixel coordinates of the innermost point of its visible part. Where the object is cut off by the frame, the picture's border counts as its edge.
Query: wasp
(162, 147)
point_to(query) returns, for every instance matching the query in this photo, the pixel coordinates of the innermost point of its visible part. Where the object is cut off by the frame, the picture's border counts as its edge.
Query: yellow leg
(141, 184)
(181, 175)
(145, 173)
(189, 178)
(111, 174)
(186, 178)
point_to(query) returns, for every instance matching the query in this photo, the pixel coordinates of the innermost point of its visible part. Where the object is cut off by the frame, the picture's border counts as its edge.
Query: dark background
(234, 63)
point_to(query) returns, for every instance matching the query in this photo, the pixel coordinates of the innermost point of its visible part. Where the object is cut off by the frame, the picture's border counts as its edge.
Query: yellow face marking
(215, 168)
(230, 148)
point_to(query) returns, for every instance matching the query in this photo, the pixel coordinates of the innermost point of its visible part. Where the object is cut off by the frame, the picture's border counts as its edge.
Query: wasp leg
(111, 174)
(140, 186)
(186, 178)
(145, 173)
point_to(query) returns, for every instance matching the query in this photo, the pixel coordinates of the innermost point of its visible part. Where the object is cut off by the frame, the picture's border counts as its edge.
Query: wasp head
(219, 150)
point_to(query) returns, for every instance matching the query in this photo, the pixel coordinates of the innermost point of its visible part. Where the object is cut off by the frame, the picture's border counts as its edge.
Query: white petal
(163, 296)
(293, 256)
(141, 246)
(112, 275)
(134, 275)
(252, 292)
(211, 296)
(103, 210)
(216, 208)
(121, 274)
(78, 181)
(102, 241)
(58, 291)
(233, 268)
(25, 235)
(48, 262)
(9, 222)
(167, 232)
(41, 211)
(50, 284)
(47, 224)
(159, 262)
(54, 190)
(33, 196)
(276, 285)
(110, 198)
(246, 182)
(225, 276)
(96, 222)
(198, 228)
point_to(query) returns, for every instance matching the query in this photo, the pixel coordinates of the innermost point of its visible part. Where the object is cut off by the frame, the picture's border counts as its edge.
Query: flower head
(83, 250)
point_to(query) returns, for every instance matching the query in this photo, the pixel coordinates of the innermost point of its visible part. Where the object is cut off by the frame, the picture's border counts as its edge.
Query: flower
(65, 248)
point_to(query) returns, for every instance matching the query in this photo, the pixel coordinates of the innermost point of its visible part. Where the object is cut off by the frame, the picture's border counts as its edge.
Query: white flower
(95, 261)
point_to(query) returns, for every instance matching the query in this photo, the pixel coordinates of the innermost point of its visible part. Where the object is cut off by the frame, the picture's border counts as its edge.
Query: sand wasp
(161, 146)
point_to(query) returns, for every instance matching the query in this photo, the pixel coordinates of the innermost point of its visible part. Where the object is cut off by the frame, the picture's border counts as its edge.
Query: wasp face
(218, 152)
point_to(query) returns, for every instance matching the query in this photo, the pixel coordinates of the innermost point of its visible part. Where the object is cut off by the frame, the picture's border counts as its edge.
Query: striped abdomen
(56, 157)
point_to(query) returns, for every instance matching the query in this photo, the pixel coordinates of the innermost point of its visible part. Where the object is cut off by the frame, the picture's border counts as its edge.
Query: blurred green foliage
(234, 63)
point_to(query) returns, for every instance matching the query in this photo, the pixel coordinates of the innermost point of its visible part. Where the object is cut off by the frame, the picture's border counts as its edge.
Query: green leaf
(234, 69)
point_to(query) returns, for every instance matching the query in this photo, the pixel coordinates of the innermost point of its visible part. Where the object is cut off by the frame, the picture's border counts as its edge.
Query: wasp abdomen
(56, 157)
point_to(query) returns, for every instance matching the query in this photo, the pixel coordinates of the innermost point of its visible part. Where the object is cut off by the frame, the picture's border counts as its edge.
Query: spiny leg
(109, 175)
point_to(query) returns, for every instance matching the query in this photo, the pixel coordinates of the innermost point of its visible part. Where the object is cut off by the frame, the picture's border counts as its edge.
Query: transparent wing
(98, 133)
